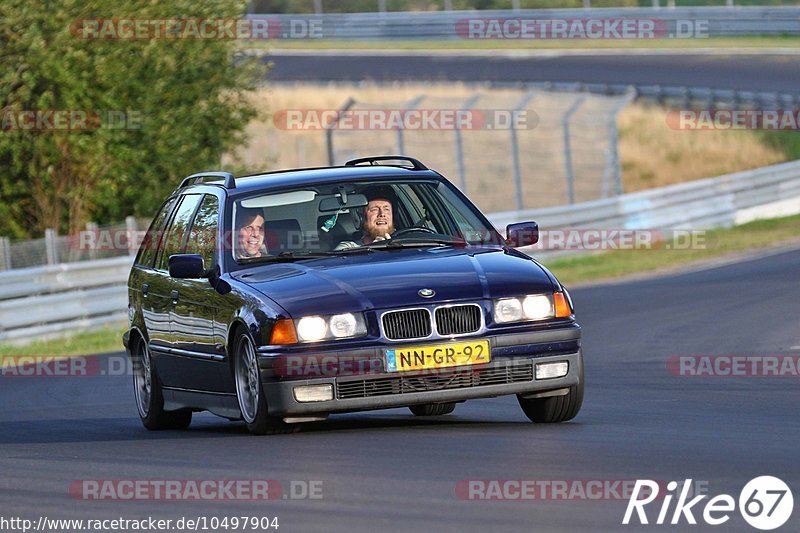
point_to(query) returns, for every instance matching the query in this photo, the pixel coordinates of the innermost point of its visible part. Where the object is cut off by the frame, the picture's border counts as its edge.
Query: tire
(149, 397)
(433, 409)
(555, 409)
(250, 392)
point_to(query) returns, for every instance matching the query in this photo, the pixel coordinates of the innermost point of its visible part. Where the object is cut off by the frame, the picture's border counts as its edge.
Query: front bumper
(512, 371)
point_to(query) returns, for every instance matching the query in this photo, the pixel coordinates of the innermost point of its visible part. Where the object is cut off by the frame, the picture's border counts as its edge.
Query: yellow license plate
(437, 356)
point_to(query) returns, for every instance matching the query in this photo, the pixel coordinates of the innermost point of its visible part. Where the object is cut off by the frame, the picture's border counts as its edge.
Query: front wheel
(250, 392)
(555, 409)
(149, 397)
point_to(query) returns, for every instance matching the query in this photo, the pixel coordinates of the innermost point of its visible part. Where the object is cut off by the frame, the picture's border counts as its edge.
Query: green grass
(607, 265)
(754, 42)
(104, 340)
(717, 243)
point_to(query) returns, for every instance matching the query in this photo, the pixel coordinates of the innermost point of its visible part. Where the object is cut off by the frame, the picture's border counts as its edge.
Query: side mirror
(522, 234)
(187, 266)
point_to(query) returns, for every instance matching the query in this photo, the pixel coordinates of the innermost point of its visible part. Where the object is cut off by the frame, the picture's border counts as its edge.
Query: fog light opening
(313, 393)
(552, 370)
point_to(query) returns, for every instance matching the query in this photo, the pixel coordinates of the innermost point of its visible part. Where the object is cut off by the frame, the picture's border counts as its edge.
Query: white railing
(50, 299)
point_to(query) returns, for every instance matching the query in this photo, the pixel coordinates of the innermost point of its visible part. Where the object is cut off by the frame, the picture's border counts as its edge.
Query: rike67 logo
(765, 503)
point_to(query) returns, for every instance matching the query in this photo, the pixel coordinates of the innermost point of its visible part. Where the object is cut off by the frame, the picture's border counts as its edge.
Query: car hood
(394, 278)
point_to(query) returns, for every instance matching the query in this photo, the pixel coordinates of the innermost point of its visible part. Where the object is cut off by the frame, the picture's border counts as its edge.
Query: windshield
(346, 217)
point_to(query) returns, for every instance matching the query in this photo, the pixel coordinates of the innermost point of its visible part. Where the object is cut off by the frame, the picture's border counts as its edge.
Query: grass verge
(717, 243)
(104, 340)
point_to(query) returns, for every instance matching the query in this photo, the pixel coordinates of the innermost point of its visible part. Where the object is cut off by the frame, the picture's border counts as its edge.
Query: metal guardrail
(51, 299)
(723, 201)
(677, 96)
(54, 298)
(447, 25)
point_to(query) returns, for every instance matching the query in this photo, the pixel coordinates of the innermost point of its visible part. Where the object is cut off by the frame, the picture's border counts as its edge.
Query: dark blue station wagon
(281, 298)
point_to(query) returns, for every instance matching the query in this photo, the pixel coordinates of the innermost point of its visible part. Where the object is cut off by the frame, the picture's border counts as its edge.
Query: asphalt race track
(389, 471)
(764, 72)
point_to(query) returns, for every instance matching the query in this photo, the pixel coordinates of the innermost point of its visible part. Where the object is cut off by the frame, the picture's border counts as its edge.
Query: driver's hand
(386, 236)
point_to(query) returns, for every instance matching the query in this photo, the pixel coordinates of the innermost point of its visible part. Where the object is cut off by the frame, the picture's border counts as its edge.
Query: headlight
(531, 307)
(311, 328)
(316, 328)
(343, 325)
(537, 307)
(507, 310)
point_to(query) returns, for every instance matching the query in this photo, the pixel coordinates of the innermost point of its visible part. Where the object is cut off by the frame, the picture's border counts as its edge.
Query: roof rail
(230, 181)
(374, 161)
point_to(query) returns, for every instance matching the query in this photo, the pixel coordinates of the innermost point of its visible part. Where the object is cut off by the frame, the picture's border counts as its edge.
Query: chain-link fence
(516, 150)
(95, 242)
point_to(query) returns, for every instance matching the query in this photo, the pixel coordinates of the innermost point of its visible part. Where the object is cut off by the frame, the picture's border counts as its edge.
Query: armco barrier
(444, 25)
(46, 300)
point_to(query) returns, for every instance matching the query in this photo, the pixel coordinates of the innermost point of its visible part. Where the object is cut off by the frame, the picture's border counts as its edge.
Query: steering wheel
(413, 229)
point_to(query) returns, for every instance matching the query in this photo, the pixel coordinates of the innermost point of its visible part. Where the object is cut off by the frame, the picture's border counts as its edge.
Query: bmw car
(284, 297)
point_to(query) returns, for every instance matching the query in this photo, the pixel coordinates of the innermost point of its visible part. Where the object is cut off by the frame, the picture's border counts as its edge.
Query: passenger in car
(250, 232)
(378, 218)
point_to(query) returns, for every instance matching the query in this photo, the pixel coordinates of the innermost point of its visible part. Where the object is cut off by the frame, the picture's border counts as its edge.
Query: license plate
(437, 356)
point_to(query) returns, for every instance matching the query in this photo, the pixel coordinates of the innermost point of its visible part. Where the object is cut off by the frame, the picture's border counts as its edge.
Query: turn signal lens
(283, 332)
(562, 307)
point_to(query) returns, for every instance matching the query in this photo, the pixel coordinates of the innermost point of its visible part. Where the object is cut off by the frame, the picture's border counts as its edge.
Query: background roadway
(757, 72)
(390, 471)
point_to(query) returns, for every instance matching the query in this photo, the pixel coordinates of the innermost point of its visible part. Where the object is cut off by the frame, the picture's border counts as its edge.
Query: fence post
(5, 253)
(329, 132)
(462, 171)
(515, 150)
(568, 148)
(92, 228)
(612, 154)
(50, 247)
(412, 104)
(130, 231)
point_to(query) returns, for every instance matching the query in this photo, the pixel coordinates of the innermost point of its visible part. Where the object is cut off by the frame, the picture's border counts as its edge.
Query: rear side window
(173, 240)
(147, 252)
(203, 235)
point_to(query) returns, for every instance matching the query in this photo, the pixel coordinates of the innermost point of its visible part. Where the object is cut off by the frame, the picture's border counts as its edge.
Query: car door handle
(145, 288)
(175, 297)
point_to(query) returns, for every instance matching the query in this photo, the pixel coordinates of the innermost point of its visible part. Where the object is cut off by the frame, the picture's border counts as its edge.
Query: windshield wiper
(283, 257)
(415, 242)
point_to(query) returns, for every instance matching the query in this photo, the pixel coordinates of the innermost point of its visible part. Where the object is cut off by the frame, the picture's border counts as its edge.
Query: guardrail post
(412, 104)
(515, 150)
(329, 132)
(568, 148)
(130, 231)
(50, 247)
(5, 253)
(462, 171)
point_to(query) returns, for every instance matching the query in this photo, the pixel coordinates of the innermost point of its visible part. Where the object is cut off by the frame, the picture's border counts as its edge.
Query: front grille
(386, 386)
(410, 324)
(458, 319)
